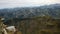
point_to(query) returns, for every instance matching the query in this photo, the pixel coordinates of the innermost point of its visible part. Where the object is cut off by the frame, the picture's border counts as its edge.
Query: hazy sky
(24, 3)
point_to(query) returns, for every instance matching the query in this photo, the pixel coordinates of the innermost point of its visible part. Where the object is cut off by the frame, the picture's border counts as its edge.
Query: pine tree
(1, 25)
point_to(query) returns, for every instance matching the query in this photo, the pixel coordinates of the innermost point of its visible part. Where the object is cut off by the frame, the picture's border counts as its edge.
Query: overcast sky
(24, 3)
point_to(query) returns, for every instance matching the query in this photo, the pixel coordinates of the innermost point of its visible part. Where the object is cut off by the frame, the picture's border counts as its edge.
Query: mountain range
(52, 10)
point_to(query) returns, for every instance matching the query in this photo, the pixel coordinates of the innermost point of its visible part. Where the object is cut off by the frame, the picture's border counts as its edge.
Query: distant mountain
(28, 12)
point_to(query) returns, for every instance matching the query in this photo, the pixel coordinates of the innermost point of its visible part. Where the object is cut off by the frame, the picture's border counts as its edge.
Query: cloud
(20, 3)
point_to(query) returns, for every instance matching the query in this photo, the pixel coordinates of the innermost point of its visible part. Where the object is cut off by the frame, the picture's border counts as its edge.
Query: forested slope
(36, 25)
